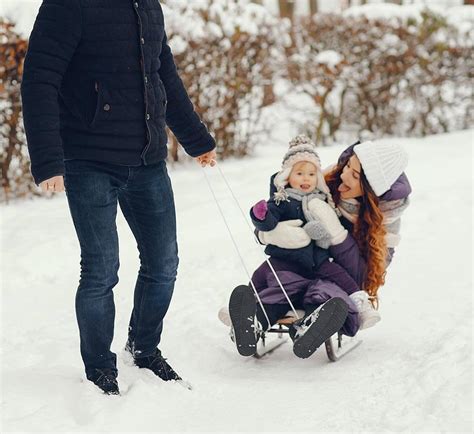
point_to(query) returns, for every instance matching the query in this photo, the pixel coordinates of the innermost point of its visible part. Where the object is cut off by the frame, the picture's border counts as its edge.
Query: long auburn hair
(369, 231)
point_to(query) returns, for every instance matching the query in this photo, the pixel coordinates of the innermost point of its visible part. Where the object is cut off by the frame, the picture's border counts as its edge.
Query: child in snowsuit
(299, 182)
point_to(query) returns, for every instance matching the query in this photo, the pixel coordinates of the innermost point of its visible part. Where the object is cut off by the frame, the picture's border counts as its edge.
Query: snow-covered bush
(407, 73)
(16, 177)
(386, 76)
(228, 53)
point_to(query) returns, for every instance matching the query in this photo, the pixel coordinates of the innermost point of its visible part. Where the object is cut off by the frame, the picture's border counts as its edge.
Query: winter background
(413, 372)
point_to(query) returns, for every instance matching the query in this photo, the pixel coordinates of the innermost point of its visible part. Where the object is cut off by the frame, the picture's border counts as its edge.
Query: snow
(23, 12)
(461, 17)
(412, 373)
(330, 57)
(387, 11)
(220, 19)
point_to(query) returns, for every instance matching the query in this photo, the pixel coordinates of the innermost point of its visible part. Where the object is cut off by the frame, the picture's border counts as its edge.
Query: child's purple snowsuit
(304, 289)
(301, 290)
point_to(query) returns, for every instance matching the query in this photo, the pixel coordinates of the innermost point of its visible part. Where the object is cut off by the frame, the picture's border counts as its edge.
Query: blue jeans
(145, 196)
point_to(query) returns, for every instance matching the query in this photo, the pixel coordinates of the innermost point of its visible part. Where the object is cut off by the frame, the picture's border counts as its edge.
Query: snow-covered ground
(413, 372)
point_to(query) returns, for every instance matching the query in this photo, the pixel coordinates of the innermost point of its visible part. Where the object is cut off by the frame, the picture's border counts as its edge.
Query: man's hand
(207, 158)
(56, 184)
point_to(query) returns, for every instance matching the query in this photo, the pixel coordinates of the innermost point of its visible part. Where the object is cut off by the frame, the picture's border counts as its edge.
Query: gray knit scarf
(391, 210)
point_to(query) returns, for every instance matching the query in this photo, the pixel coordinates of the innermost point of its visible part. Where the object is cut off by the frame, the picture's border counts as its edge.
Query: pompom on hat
(382, 163)
(301, 148)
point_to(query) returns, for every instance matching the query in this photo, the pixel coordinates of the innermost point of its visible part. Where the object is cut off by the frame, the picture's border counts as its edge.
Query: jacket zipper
(144, 85)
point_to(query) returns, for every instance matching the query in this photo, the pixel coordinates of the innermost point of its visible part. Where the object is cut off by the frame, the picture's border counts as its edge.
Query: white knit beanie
(301, 149)
(382, 163)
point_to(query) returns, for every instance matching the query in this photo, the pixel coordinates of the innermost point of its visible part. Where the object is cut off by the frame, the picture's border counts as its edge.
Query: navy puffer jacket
(100, 83)
(310, 257)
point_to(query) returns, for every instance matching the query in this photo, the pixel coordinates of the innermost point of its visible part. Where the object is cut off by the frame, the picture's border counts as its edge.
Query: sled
(266, 346)
(337, 346)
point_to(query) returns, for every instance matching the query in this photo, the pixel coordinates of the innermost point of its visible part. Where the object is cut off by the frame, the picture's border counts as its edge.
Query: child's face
(303, 177)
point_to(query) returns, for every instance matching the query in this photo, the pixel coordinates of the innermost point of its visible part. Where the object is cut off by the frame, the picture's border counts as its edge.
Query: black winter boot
(311, 331)
(158, 365)
(106, 380)
(245, 327)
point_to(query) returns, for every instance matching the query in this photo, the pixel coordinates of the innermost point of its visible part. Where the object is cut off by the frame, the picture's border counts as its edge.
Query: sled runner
(337, 346)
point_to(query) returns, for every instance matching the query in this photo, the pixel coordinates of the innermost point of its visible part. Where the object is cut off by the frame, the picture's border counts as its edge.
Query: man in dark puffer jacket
(99, 86)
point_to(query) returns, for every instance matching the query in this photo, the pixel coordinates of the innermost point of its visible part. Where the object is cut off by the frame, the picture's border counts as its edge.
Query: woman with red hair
(371, 192)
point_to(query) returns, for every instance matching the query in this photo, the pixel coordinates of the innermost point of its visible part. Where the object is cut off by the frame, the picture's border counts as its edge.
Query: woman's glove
(286, 235)
(260, 210)
(325, 229)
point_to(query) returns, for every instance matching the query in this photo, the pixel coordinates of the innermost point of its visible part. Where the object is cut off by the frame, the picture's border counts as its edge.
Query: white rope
(257, 241)
(262, 249)
(237, 248)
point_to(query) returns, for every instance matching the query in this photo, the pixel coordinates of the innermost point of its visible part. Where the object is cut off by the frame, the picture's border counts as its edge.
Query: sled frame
(337, 346)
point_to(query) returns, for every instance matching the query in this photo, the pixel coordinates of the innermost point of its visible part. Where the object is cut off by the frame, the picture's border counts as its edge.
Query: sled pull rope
(235, 245)
(259, 245)
(256, 240)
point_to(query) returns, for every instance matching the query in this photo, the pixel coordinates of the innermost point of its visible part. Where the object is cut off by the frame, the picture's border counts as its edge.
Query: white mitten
(327, 223)
(287, 235)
